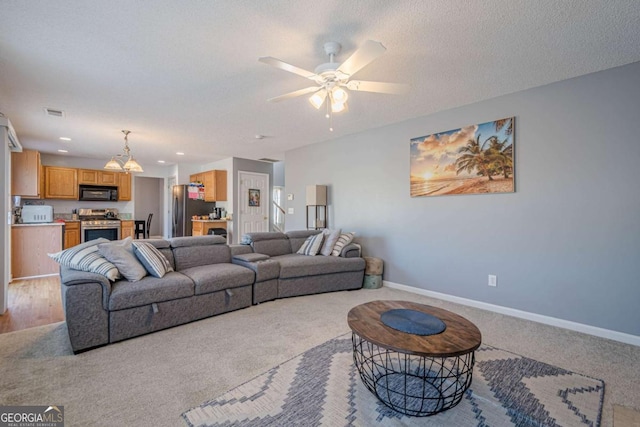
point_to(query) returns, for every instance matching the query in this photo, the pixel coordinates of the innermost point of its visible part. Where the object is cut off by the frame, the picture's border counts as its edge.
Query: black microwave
(92, 193)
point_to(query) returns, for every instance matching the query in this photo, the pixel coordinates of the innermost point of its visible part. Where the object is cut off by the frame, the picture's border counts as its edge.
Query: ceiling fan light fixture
(317, 99)
(337, 107)
(340, 95)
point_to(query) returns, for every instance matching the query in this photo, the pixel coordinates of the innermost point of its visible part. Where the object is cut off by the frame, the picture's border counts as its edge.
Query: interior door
(254, 202)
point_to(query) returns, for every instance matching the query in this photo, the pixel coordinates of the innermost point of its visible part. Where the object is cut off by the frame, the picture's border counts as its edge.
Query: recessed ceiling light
(180, 153)
(63, 151)
(160, 161)
(65, 138)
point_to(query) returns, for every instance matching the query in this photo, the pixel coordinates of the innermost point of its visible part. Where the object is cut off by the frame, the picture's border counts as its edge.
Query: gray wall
(566, 244)
(278, 174)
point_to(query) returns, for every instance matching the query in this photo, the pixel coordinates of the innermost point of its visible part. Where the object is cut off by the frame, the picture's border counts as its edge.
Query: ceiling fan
(333, 80)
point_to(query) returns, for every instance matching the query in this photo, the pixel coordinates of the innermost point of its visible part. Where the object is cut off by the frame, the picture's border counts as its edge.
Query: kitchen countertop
(38, 224)
(209, 220)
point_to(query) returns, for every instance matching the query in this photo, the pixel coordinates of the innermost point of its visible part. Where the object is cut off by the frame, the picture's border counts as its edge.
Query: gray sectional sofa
(210, 278)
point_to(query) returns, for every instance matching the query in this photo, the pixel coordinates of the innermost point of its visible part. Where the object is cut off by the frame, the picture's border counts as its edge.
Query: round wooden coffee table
(417, 375)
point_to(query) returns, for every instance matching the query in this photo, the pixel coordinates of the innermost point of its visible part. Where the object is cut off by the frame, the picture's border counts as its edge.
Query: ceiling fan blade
(369, 51)
(288, 67)
(379, 87)
(295, 93)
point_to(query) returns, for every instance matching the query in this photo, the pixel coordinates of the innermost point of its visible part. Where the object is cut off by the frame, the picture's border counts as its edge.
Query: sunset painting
(474, 159)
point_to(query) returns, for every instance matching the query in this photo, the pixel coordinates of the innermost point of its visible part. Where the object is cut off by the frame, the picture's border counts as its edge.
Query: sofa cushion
(120, 253)
(153, 260)
(312, 245)
(295, 265)
(85, 257)
(216, 277)
(195, 256)
(269, 243)
(178, 242)
(150, 289)
(252, 257)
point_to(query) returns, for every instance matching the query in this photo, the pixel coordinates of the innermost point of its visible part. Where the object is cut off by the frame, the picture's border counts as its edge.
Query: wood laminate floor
(32, 302)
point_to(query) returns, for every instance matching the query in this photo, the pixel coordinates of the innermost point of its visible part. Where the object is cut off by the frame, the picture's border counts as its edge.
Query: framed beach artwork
(254, 197)
(474, 159)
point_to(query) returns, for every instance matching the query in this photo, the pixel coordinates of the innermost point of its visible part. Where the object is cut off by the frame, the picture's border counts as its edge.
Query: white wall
(566, 244)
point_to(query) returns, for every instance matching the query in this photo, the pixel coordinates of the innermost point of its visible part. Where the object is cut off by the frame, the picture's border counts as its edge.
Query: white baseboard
(547, 320)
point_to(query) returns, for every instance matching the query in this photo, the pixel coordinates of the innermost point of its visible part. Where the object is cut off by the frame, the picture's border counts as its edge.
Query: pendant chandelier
(118, 164)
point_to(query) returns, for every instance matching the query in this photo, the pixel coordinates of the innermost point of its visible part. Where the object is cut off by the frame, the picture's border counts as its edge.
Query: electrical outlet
(290, 211)
(493, 280)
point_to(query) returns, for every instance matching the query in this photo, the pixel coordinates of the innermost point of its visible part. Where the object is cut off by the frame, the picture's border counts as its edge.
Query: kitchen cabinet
(30, 244)
(71, 233)
(124, 186)
(126, 229)
(215, 184)
(97, 177)
(61, 183)
(26, 174)
(200, 227)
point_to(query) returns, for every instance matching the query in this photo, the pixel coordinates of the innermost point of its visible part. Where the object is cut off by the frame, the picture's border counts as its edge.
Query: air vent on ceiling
(53, 112)
(268, 160)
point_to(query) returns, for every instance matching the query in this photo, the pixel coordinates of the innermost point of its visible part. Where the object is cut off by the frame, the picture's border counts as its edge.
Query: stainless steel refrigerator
(184, 208)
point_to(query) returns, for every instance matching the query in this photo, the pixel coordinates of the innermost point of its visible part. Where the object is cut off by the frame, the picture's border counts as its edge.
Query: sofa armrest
(352, 250)
(240, 249)
(71, 277)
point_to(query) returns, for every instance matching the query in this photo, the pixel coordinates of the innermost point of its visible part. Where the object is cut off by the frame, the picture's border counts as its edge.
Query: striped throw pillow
(343, 240)
(153, 260)
(312, 245)
(85, 257)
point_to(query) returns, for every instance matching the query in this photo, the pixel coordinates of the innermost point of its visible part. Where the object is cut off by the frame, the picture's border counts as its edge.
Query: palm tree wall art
(474, 159)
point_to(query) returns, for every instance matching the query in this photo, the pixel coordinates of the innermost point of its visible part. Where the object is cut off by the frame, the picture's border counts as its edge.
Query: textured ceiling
(184, 75)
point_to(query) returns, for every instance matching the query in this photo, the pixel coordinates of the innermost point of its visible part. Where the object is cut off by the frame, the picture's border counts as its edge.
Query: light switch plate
(290, 196)
(290, 211)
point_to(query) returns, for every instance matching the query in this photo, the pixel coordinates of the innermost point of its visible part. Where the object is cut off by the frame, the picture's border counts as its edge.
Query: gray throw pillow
(312, 245)
(153, 260)
(85, 257)
(330, 239)
(120, 253)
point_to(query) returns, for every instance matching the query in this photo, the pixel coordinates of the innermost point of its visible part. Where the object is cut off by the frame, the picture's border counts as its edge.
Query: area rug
(321, 387)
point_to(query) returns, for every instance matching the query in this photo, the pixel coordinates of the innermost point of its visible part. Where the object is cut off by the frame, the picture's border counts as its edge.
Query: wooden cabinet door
(87, 176)
(29, 248)
(198, 228)
(126, 229)
(124, 186)
(25, 174)
(61, 183)
(215, 185)
(108, 178)
(71, 234)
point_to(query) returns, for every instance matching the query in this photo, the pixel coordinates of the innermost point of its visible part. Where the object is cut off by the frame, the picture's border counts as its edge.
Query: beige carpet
(151, 380)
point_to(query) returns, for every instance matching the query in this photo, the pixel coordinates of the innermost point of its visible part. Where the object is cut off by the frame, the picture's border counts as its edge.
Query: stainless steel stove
(96, 223)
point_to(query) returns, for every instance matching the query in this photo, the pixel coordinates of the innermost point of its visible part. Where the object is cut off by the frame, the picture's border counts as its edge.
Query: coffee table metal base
(410, 384)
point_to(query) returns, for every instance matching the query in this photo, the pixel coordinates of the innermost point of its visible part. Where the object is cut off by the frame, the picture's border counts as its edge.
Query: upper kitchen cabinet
(215, 184)
(97, 177)
(124, 186)
(25, 174)
(61, 183)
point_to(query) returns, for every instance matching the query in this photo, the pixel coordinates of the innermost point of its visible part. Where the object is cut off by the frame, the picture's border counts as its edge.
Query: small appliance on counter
(33, 214)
